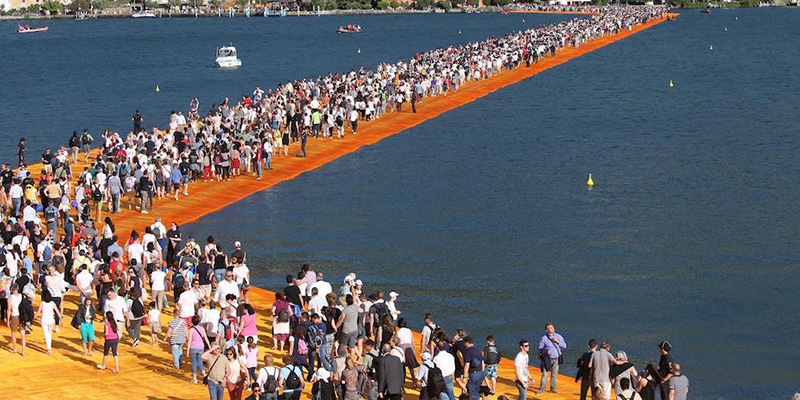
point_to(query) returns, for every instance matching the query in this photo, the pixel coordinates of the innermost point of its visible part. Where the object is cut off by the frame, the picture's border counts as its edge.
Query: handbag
(560, 355)
(205, 377)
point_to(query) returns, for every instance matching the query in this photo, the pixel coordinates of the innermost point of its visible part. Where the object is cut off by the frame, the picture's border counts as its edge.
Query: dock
(146, 371)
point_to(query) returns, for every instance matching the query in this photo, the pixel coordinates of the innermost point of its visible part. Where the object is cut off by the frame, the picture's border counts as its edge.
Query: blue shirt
(553, 350)
(175, 176)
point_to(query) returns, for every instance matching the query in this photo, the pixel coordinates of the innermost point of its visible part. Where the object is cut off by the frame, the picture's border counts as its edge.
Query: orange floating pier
(146, 371)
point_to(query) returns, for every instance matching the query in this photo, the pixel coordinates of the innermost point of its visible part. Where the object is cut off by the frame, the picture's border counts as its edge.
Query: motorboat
(706, 11)
(28, 29)
(227, 58)
(350, 28)
(144, 14)
(505, 12)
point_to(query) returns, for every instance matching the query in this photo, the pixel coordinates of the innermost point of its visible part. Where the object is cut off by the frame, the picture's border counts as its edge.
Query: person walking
(626, 392)
(177, 337)
(600, 364)
(522, 376)
(13, 318)
(135, 315)
(584, 372)
(665, 368)
(391, 375)
(550, 348)
(48, 311)
(111, 334)
(235, 374)
(473, 368)
(217, 367)
(291, 379)
(678, 384)
(84, 322)
(198, 341)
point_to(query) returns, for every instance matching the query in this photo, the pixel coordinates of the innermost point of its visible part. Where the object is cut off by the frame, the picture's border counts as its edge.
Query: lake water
(482, 215)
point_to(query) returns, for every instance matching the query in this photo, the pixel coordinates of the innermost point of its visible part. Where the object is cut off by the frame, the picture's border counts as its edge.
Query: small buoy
(158, 89)
(590, 182)
(711, 47)
(670, 83)
(359, 51)
(726, 29)
(523, 20)
(459, 31)
(737, 18)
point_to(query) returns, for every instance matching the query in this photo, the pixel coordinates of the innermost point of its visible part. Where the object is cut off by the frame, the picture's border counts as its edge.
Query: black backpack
(97, 194)
(314, 337)
(492, 355)
(25, 310)
(271, 385)
(178, 280)
(137, 308)
(292, 381)
(51, 214)
(436, 385)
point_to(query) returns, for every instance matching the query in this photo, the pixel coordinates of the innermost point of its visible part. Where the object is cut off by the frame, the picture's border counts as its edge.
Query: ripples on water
(482, 215)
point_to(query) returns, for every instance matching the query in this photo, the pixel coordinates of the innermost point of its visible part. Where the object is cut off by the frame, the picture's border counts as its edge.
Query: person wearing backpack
(298, 348)
(267, 379)
(491, 356)
(86, 144)
(135, 315)
(323, 388)
(429, 389)
(627, 393)
(291, 379)
(315, 339)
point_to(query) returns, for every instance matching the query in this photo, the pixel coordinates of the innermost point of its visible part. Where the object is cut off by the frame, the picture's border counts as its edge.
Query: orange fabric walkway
(146, 371)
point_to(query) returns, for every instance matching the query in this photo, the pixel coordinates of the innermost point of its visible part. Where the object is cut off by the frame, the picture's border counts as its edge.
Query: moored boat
(350, 28)
(227, 58)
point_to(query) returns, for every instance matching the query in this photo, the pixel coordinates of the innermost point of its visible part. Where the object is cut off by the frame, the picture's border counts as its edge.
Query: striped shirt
(178, 327)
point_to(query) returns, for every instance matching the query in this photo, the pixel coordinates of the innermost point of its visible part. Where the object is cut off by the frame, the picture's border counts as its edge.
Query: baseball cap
(393, 294)
(237, 244)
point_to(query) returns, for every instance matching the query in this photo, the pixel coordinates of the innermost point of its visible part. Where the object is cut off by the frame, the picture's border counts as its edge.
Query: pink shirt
(251, 357)
(197, 338)
(249, 328)
(110, 334)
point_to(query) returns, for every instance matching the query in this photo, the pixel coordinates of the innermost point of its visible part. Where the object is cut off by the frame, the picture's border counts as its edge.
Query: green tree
(443, 5)
(473, 3)
(99, 4)
(83, 5)
(394, 4)
(423, 4)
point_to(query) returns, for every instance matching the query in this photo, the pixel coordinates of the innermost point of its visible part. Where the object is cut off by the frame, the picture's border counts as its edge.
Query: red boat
(505, 12)
(28, 29)
(350, 28)
(706, 11)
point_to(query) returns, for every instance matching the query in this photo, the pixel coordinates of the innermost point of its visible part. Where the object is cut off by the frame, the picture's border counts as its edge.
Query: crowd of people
(346, 343)
(232, 139)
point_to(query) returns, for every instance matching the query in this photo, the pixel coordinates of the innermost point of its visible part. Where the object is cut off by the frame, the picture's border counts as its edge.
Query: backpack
(314, 337)
(178, 280)
(436, 384)
(283, 315)
(380, 310)
(302, 347)
(97, 194)
(271, 385)
(292, 381)
(25, 310)
(227, 328)
(51, 214)
(365, 385)
(137, 308)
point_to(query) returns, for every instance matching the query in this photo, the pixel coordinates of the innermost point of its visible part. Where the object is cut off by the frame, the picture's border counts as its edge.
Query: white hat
(393, 294)
(359, 283)
(426, 356)
(350, 277)
(237, 244)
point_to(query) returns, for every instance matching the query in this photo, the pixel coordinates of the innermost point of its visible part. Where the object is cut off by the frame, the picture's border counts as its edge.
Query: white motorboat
(144, 14)
(227, 58)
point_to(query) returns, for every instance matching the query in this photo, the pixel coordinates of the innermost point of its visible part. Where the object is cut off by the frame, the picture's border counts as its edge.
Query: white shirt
(149, 238)
(521, 366)
(223, 289)
(445, 362)
(55, 285)
(404, 334)
(323, 288)
(154, 316)
(392, 309)
(84, 280)
(117, 307)
(316, 303)
(162, 230)
(15, 299)
(16, 191)
(211, 319)
(22, 241)
(157, 279)
(187, 301)
(28, 214)
(135, 251)
(240, 272)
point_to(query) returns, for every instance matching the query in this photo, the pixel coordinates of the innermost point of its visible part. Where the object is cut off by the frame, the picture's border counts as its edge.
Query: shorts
(87, 332)
(348, 339)
(176, 185)
(110, 345)
(490, 371)
(603, 390)
(14, 324)
(186, 178)
(155, 327)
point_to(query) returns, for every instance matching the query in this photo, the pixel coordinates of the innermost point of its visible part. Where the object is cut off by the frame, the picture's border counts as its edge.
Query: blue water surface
(482, 215)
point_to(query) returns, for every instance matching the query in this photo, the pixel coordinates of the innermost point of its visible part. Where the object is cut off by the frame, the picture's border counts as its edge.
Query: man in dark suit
(391, 375)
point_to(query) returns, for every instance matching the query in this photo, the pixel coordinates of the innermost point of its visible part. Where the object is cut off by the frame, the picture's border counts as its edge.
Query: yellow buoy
(670, 83)
(158, 89)
(359, 51)
(711, 47)
(590, 182)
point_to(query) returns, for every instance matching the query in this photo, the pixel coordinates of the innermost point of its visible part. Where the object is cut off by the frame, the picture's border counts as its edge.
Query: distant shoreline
(258, 14)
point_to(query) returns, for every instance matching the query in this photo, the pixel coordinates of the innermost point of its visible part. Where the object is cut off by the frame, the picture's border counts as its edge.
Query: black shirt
(202, 272)
(293, 294)
(331, 315)
(665, 365)
(472, 356)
